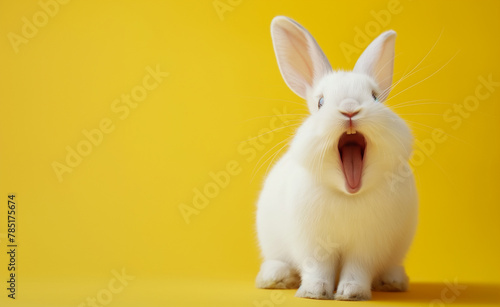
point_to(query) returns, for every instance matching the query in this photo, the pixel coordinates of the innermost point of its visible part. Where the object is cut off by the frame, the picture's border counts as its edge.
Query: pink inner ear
(384, 68)
(377, 61)
(299, 57)
(292, 51)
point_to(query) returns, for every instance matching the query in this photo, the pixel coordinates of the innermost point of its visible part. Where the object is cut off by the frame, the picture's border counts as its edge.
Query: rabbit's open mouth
(352, 151)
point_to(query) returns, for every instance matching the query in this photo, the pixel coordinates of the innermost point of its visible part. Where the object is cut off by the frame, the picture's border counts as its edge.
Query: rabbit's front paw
(317, 289)
(276, 274)
(394, 280)
(351, 291)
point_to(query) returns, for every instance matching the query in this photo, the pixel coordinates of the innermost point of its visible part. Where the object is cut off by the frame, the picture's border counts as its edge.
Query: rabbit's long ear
(377, 61)
(300, 59)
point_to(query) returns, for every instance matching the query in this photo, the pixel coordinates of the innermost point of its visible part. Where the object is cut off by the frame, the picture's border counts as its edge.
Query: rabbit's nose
(349, 113)
(349, 108)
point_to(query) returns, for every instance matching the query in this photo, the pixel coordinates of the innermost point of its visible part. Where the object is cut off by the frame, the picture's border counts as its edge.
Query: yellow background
(119, 208)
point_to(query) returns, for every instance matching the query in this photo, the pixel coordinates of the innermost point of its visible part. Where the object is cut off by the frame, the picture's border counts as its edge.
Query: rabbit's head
(351, 140)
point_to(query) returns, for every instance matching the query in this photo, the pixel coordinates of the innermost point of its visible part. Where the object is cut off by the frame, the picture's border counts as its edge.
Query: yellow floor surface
(221, 293)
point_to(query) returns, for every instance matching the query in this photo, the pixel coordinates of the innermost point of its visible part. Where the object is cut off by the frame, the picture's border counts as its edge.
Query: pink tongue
(351, 158)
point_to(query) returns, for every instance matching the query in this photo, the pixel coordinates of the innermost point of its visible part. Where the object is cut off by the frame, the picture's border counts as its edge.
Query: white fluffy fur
(311, 230)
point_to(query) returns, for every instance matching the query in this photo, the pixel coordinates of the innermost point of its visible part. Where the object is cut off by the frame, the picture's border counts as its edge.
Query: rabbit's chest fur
(304, 217)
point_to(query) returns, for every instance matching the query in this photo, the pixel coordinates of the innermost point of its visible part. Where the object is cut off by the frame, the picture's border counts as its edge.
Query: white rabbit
(329, 210)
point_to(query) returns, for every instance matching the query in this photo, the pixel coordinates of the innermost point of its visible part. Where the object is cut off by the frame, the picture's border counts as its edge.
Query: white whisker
(432, 128)
(254, 172)
(426, 77)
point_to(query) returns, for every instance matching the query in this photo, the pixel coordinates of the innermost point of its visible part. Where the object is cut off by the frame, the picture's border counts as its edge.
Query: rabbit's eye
(320, 102)
(374, 96)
